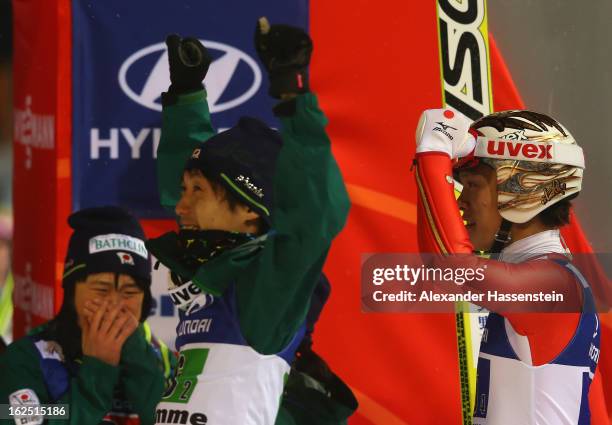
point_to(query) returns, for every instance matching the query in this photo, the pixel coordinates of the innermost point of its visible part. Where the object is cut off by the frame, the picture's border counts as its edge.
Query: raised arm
(440, 227)
(311, 202)
(310, 210)
(185, 116)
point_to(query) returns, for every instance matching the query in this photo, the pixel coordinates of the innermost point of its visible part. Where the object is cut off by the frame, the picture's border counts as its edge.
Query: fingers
(89, 311)
(118, 324)
(263, 25)
(109, 318)
(262, 29)
(107, 329)
(191, 52)
(173, 41)
(97, 317)
(111, 314)
(91, 306)
(127, 328)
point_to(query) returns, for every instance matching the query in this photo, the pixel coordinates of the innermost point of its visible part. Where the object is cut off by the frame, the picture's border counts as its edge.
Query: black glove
(285, 52)
(189, 61)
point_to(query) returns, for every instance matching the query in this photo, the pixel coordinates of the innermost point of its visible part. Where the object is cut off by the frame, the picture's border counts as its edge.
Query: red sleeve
(440, 227)
(530, 277)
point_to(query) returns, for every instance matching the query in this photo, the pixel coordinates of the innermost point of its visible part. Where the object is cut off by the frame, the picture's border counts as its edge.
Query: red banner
(41, 200)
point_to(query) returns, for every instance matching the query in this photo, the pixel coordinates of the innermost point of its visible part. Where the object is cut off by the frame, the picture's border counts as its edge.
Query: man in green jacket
(97, 355)
(258, 211)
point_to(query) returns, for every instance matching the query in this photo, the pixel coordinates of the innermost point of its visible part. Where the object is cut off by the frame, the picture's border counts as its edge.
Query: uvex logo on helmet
(144, 83)
(519, 150)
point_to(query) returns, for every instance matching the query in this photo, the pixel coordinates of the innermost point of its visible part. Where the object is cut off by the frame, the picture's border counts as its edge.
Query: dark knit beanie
(243, 160)
(106, 239)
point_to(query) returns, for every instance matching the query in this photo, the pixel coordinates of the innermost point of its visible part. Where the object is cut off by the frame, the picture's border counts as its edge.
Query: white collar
(546, 242)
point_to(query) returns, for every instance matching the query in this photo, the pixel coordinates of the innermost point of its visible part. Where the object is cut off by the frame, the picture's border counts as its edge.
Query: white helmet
(537, 161)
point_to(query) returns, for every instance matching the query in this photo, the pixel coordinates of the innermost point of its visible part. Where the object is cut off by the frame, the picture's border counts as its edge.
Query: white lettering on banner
(135, 142)
(97, 143)
(33, 297)
(34, 130)
(110, 144)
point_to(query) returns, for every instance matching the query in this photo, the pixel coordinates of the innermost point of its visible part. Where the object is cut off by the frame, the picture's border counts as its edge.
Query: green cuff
(193, 97)
(95, 365)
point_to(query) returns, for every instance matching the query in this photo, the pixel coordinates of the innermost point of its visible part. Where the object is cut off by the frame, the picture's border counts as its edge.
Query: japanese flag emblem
(25, 397)
(125, 258)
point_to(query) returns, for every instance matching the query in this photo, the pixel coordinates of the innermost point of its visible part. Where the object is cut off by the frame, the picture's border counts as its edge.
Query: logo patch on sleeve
(24, 398)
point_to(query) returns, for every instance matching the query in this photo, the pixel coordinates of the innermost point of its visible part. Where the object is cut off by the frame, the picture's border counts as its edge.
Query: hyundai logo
(219, 76)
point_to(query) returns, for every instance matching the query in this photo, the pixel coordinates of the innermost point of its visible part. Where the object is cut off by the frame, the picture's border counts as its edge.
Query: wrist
(289, 83)
(432, 146)
(172, 97)
(184, 88)
(99, 363)
(134, 344)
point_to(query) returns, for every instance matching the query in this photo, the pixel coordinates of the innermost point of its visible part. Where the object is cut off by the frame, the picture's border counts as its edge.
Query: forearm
(311, 199)
(185, 124)
(142, 376)
(440, 228)
(311, 206)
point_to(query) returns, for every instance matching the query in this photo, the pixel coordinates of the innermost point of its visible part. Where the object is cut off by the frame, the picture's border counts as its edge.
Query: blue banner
(120, 68)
